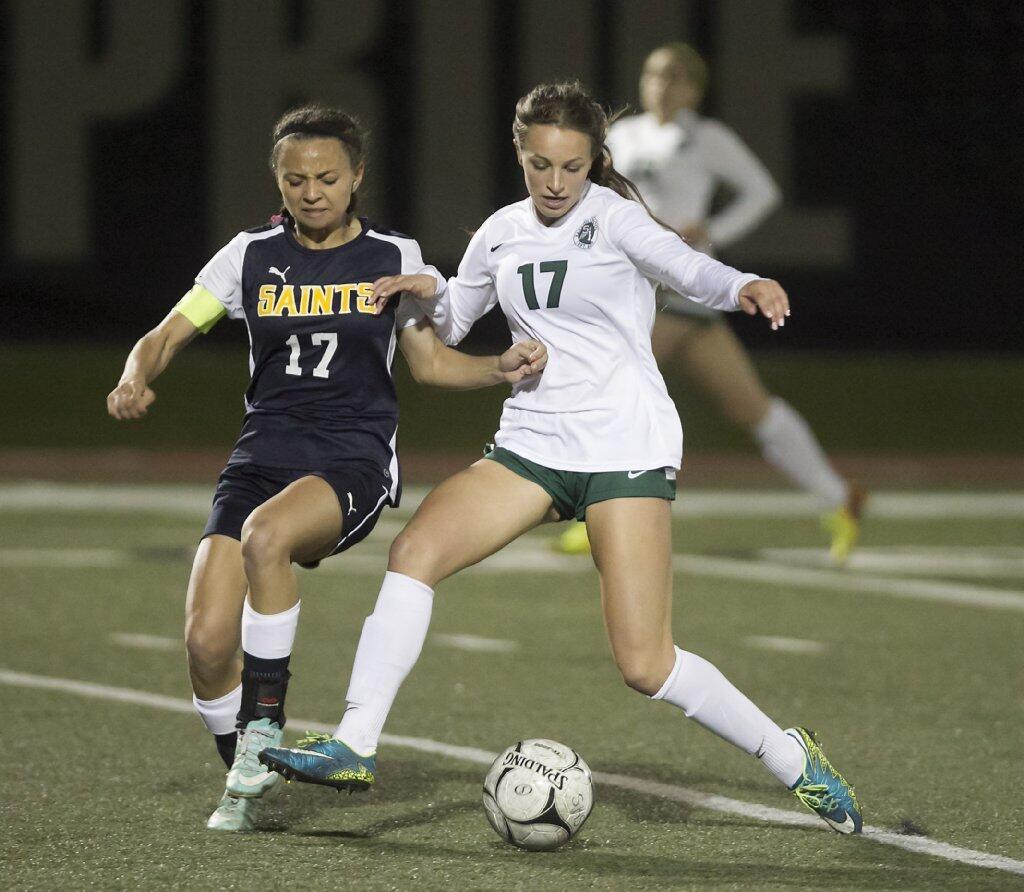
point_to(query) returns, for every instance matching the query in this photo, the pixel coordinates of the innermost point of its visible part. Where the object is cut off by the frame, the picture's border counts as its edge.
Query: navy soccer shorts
(363, 491)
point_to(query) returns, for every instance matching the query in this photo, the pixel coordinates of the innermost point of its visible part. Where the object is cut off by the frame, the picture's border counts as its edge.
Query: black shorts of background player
(315, 462)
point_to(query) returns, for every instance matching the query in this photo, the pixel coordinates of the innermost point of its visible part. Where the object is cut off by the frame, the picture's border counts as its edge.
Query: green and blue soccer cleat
(823, 789)
(322, 759)
(234, 813)
(247, 779)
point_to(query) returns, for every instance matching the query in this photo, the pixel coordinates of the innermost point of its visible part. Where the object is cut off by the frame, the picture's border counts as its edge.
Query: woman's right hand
(130, 399)
(419, 286)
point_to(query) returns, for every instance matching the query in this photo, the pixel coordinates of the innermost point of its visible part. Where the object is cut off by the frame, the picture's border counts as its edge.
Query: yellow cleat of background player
(843, 525)
(574, 540)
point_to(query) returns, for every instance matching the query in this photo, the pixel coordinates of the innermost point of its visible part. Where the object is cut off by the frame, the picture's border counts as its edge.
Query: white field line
(837, 580)
(475, 643)
(195, 500)
(1006, 561)
(785, 645)
(526, 556)
(695, 798)
(140, 641)
(917, 505)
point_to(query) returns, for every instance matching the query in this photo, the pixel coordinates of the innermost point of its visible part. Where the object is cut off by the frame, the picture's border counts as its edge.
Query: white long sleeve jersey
(677, 166)
(585, 288)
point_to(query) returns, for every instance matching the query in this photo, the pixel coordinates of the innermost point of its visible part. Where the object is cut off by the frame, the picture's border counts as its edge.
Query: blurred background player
(315, 463)
(679, 160)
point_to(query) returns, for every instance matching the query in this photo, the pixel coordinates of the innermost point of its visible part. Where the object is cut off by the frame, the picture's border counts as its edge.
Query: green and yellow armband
(201, 308)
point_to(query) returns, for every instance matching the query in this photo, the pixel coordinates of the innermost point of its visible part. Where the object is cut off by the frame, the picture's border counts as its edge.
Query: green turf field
(908, 664)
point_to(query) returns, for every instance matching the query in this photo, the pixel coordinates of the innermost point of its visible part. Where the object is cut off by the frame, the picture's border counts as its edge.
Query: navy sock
(264, 685)
(226, 746)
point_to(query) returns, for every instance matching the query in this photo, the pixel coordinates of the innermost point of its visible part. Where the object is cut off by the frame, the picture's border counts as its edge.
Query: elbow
(448, 337)
(449, 333)
(422, 373)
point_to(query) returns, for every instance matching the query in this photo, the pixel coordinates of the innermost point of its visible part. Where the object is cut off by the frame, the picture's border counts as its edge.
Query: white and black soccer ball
(537, 794)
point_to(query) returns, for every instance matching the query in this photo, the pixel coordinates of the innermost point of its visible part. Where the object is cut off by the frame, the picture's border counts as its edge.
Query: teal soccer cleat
(247, 779)
(322, 759)
(823, 789)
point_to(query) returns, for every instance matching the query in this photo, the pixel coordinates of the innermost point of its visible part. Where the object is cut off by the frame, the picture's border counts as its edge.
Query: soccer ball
(537, 794)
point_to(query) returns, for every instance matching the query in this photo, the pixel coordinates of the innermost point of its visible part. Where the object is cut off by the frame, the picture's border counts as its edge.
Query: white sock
(788, 444)
(391, 642)
(219, 715)
(707, 697)
(269, 636)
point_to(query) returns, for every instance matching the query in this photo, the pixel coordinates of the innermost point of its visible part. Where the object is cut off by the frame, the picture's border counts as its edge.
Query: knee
(643, 673)
(416, 555)
(210, 647)
(262, 543)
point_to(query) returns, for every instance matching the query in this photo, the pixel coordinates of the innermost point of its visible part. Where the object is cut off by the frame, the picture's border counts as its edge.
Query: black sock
(264, 685)
(226, 746)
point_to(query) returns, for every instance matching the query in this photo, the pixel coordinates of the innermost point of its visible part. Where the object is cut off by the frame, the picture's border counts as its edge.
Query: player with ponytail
(595, 438)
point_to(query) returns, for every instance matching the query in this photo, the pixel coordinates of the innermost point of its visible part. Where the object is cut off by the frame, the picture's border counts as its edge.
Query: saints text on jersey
(315, 300)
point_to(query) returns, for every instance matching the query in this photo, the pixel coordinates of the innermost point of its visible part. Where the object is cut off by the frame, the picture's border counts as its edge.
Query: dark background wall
(134, 138)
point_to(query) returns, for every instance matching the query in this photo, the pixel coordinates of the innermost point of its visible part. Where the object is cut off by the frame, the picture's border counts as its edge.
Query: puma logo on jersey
(278, 272)
(351, 504)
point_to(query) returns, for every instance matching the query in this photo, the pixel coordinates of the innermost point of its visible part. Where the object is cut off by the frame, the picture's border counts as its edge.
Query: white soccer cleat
(247, 778)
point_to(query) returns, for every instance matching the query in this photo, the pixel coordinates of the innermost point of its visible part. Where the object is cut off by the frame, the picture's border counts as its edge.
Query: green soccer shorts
(573, 491)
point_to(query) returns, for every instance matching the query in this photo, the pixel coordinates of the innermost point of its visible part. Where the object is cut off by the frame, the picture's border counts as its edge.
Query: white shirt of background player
(679, 159)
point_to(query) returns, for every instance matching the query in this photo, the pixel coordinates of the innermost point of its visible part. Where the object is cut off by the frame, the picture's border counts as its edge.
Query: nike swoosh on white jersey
(632, 475)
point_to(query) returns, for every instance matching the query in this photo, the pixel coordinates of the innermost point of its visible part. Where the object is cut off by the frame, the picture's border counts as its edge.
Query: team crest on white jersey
(585, 235)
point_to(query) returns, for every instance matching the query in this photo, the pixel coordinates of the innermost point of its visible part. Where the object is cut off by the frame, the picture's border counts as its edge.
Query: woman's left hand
(522, 360)
(767, 297)
(419, 286)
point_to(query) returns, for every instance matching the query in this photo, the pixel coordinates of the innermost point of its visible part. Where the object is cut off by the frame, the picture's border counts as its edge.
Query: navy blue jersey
(321, 391)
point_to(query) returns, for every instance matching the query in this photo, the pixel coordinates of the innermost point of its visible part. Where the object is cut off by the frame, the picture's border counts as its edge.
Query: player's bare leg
(632, 547)
(462, 521)
(301, 523)
(713, 357)
(213, 612)
(633, 554)
(711, 354)
(466, 519)
(213, 621)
